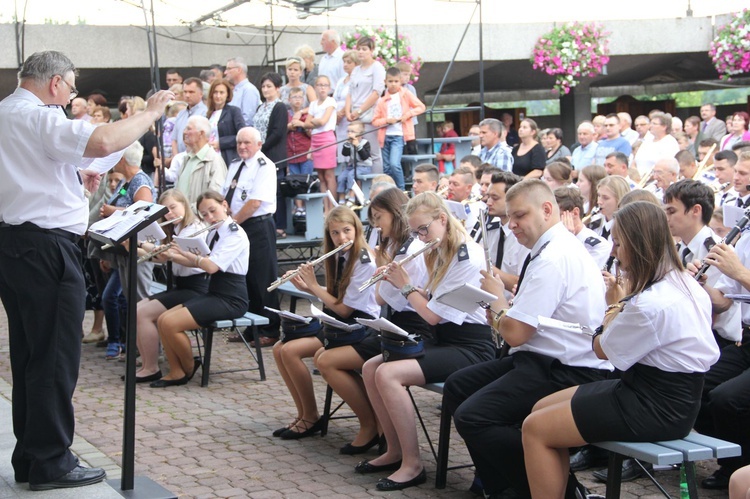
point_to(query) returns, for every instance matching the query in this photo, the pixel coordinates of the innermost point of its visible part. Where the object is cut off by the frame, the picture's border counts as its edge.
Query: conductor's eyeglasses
(73, 90)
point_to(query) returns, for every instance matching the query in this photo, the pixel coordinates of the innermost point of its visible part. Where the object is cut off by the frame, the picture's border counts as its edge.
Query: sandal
(280, 234)
(278, 432)
(308, 429)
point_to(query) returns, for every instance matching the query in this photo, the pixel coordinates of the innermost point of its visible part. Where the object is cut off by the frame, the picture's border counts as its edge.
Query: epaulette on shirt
(709, 243)
(261, 162)
(595, 224)
(493, 225)
(364, 256)
(234, 227)
(463, 252)
(592, 241)
(404, 247)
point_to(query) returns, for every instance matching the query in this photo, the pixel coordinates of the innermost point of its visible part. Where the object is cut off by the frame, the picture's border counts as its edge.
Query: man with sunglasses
(46, 163)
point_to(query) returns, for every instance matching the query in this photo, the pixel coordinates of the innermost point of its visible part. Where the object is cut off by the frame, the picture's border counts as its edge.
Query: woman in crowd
(350, 59)
(554, 147)
(557, 174)
(367, 84)
(225, 120)
(227, 290)
(295, 66)
(190, 282)
(609, 192)
(338, 365)
(461, 339)
(588, 178)
(307, 54)
(529, 156)
(692, 127)
(345, 273)
(271, 121)
(658, 334)
(321, 120)
(737, 130)
(663, 144)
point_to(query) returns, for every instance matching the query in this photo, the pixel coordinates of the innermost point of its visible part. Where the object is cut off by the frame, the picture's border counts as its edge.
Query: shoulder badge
(261, 162)
(709, 243)
(364, 256)
(493, 225)
(592, 241)
(233, 227)
(463, 253)
(404, 247)
(595, 224)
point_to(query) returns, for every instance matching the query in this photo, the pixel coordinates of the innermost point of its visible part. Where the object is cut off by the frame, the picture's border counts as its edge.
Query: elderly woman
(529, 156)
(737, 131)
(663, 144)
(225, 120)
(295, 67)
(554, 147)
(310, 70)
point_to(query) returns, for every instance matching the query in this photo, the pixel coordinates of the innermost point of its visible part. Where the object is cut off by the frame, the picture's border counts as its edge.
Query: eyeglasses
(422, 230)
(229, 69)
(73, 90)
(322, 85)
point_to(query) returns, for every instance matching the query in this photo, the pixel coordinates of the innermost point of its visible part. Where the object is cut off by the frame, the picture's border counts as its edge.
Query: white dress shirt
(417, 275)
(231, 252)
(332, 66)
(256, 181)
(364, 268)
(598, 247)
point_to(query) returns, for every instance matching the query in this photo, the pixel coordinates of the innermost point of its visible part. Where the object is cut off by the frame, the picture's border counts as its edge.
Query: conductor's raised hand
(157, 103)
(91, 180)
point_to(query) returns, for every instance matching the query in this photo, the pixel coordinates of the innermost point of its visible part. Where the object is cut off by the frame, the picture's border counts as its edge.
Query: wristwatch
(407, 290)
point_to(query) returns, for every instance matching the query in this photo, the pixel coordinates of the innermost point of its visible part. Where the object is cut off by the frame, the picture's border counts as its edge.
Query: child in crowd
(358, 164)
(321, 119)
(405, 68)
(298, 141)
(446, 153)
(396, 109)
(172, 111)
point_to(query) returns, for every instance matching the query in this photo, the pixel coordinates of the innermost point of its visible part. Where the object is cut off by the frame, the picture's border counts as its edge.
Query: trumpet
(380, 275)
(587, 219)
(741, 223)
(165, 223)
(472, 199)
(646, 178)
(281, 280)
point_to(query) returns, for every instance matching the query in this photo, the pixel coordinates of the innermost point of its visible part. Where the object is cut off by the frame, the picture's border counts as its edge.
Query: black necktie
(339, 273)
(523, 271)
(213, 240)
(500, 249)
(685, 253)
(605, 233)
(233, 185)
(743, 204)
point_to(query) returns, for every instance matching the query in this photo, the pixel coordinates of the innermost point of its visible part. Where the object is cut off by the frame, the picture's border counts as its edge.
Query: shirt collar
(553, 231)
(695, 243)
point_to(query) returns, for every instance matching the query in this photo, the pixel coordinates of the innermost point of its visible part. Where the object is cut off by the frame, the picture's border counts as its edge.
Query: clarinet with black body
(741, 223)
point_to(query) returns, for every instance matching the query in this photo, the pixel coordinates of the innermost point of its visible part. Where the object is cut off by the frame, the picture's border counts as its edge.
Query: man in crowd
(41, 151)
(665, 174)
(192, 90)
(331, 63)
(626, 131)
(495, 150)
(173, 77)
(585, 154)
(642, 125)
(613, 142)
(246, 96)
(570, 201)
(476, 146)
(250, 192)
(616, 163)
(78, 109)
(704, 147)
(711, 127)
(724, 162)
(425, 178)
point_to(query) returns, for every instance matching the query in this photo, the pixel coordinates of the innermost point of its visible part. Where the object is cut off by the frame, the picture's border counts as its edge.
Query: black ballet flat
(388, 485)
(382, 445)
(196, 364)
(315, 427)
(278, 432)
(163, 383)
(366, 468)
(351, 450)
(147, 379)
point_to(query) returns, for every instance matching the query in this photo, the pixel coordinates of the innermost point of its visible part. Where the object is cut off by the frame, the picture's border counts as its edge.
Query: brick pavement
(216, 441)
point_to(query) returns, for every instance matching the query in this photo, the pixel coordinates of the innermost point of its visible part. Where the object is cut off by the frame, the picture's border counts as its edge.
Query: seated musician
(190, 282)
(609, 192)
(338, 365)
(561, 281)
(227, 292)
(345, 273)
(658, 336)
(460, 339)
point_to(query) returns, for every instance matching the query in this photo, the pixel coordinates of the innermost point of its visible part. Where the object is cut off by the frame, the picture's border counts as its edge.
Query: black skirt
(644, 405)
(226, 299)
(408, 321)
(185, 289)
(454, 347)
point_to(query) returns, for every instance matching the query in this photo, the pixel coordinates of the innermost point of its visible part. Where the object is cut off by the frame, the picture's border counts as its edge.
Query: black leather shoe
(196, 364)
(365, 467)
(77, 477)
(388, 485)
(279, 431)
(719, 480)
(163, 383)
(630, 471)
(588, 457)
(148, 379)
(351, 450)
(311, 429)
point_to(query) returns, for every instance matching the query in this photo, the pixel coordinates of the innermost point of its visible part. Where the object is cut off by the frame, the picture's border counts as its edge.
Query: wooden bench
(694, 447)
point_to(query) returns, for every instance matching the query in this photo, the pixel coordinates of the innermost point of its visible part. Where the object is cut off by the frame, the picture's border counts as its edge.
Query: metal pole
(395, 20)
(481, 65)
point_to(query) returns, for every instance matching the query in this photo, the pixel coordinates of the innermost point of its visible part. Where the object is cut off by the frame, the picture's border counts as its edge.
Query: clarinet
(741, 223)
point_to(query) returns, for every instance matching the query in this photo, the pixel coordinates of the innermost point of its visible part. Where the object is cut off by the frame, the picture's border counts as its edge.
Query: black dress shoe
(388, 485)
(630, 471)
(163, 383)
(719, 480)
(196, 365)
(147, 379)
(279, 431)
(588, 457)
(77, 477)
(311, 429)
(365, 467)
(351, 450)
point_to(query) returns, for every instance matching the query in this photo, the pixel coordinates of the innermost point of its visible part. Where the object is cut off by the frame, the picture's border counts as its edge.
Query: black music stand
(126, 485)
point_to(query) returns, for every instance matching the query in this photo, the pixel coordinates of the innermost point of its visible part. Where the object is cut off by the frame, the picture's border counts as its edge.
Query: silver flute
(380, 275)
(281, 280)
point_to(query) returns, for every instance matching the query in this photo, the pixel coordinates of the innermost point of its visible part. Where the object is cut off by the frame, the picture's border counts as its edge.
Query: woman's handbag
(294, 330)
(295, 184)
(398, 347)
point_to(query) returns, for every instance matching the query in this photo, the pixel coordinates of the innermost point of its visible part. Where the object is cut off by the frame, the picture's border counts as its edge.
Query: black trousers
(489, 402)
(725, 406)
(262, 271)
(42, 289)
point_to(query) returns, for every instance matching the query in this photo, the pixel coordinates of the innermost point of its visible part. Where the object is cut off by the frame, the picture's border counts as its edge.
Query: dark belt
(253, 220)
(30, 227)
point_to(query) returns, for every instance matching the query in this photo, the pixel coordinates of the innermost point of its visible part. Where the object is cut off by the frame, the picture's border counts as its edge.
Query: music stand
(145, 215)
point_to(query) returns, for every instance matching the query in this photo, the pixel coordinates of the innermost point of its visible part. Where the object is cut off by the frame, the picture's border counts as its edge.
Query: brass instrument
(442, 192)
(645, 179)
(281, 280)
(380, 275)
(473, 198)
(702, 168)
(587, 219)
(163, 224)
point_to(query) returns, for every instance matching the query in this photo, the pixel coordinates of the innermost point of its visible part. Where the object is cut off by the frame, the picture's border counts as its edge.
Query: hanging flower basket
(571, 52)
(730, 49)
(385, 47)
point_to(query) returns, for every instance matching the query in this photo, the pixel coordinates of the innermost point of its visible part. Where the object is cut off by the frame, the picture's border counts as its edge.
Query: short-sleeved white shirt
(460, 271)
(727, 285)
(514, 253)
(598, 247)
(231, 252)
(364, 268)
(563, 282)
(318, 110)
(417, 274)
(667, 326)
(257, 181)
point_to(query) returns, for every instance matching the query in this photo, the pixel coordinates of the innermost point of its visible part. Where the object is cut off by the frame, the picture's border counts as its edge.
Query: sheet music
(194, 245)
(383, 324)
(289, 315)
(457, 209)
(732, 215)
(465, 298)
(121, 222)
(327, 319)
(550, 324)
(152, 234)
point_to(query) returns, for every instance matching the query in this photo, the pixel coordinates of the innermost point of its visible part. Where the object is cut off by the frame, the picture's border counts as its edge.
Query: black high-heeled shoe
(351, 450)
(310, 430)
(279, 431)
(196, 364)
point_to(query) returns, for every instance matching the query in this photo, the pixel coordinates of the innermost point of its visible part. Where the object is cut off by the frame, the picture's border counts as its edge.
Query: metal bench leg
(614, 476)
(326, 410)
(259, 353)
(208, 342)
(444, 438)
(292, 304)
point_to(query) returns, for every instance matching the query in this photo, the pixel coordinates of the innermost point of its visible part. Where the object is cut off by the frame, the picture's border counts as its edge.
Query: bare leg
(172, 325)
(393, 453)
(739, 484)
(337, 366)
(323, 188)
(291, 356)
(548, 432)
(287, 379)
(98, 321)
(330, 180)
(147, 337)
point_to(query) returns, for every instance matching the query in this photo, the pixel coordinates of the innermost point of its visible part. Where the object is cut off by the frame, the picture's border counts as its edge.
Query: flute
(380, 275)
(281, 280)
(741, 223)
(164, 247)
(206, 229)
(162, 224)
(485, 242)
